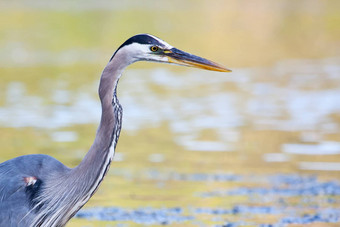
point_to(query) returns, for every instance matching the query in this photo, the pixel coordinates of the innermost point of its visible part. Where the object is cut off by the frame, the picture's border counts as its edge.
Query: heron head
(145, 47)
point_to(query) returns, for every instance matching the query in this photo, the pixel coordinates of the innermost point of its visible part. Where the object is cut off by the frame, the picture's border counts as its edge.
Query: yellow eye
(154, 48)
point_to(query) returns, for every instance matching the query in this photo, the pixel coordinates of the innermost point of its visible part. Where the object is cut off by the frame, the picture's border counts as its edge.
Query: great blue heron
(38, 190)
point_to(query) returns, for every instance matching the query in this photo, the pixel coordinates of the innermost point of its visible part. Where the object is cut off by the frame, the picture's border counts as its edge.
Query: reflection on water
(298, 96)
(18, 54)
(323, 148)
(320, 166)
(275, 157)
(63, 136)
(287, 198)
(145, 216)
(22, 110)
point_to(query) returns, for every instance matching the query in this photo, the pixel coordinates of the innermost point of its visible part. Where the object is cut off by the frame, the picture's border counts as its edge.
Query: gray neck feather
(64, 194)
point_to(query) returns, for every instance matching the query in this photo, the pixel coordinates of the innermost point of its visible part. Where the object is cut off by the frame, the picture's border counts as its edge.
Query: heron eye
(154, 48)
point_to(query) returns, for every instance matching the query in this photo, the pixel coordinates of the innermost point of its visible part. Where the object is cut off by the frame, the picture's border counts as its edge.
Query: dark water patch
(204, 177)
(292, 179)
(244, 213)
(326, 216)
(155, 174)
(292, 199)
(237, 209)
(145, 216)
(284, 186)
(230, 224)
(327, 188)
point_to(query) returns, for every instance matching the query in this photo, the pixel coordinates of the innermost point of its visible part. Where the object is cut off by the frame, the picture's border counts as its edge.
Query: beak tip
(222, 69)
(226, 70)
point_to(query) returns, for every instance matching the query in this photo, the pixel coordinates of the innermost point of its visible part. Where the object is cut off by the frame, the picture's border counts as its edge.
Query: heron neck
(96, 162)
(102, 149)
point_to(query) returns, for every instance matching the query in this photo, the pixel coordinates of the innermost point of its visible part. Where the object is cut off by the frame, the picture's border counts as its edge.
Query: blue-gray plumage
(38, 190)
(16, 195)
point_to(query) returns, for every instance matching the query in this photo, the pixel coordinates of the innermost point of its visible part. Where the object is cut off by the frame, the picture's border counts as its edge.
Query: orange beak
(179, 57)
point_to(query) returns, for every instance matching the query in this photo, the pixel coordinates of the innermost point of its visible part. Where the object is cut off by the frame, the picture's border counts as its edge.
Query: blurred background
(256, 147)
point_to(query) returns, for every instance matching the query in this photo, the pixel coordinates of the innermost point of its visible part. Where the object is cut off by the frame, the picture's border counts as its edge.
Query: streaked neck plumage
(97, 161)
(77, 186)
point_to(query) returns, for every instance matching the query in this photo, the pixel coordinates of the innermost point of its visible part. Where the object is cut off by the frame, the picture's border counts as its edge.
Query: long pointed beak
(179, 57)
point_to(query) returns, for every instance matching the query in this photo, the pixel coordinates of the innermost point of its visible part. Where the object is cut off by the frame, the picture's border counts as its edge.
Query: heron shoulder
(33, 164)
(27, 172)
